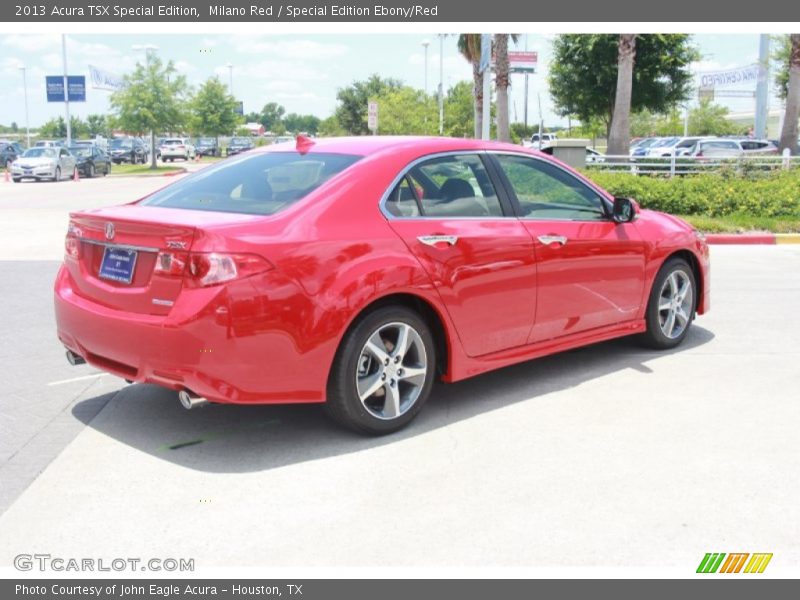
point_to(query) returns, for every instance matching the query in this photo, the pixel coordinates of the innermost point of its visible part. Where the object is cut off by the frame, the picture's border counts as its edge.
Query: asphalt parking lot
(609, 456)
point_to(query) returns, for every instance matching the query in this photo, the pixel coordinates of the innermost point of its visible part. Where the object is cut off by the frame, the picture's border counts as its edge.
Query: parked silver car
(43, 163)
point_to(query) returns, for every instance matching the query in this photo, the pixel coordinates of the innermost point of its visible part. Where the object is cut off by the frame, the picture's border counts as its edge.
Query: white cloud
(307, 49)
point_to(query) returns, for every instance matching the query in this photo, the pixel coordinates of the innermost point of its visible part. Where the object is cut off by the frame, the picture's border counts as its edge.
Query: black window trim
(509, 189)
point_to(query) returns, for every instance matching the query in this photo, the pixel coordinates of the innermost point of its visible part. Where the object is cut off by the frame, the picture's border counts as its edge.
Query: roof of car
(373, 144)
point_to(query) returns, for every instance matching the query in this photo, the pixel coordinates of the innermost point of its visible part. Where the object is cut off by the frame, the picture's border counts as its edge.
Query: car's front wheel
(57, 174)
(383, 372)
(671, 306)
(90, 170)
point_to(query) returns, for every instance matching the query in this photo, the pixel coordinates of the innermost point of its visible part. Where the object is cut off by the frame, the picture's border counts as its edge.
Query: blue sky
(301, 72)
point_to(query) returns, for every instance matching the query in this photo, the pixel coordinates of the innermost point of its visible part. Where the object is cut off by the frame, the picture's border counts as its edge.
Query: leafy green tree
(57, 128)
(153, 99)
(710, 119)
(214, 110)
(271, 117)
(98, 125)
(459, 111)
(353, 99)
(407, 111)
(330, 127)
(792, 113)
(583, 74)
(469, 45)
(252, 117)
(295, 123)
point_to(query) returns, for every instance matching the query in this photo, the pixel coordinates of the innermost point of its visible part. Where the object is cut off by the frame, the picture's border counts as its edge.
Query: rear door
(479, 257)
(590, 268)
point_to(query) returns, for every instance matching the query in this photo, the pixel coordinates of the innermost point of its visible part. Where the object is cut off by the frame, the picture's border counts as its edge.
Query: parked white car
(172, 148)
(538, 143)
(678, 146)
(43, 163)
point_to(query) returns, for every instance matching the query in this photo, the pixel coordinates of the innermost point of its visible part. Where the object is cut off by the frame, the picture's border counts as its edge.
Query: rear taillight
(72, 243)
(201, 269)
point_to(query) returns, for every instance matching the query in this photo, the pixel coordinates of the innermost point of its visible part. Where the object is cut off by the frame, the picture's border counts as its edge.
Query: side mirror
(625, 210)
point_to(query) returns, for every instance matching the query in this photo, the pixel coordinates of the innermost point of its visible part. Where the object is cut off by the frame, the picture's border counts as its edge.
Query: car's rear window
(260, 184)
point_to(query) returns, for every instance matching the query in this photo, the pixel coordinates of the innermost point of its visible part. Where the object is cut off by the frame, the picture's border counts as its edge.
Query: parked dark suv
(207, 147)
(239, 144)
(128, 149)
(9, 151)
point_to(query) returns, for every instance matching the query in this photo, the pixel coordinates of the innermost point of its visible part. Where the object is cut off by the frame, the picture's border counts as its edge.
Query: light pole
(441, 83)
(425, 45)
(230, 79)
(25, 88)
(66, 88)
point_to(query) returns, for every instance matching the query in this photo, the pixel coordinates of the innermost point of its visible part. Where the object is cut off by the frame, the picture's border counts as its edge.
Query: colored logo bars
(734, 562)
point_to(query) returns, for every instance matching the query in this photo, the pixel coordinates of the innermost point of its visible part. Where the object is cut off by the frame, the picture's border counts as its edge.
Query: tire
(372, 413)
(90, 170)
(671, 306)
(57, 176)
(16, 179)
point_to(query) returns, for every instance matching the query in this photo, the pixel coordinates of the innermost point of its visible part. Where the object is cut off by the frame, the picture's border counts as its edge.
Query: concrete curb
(179, 171)
(769, 239)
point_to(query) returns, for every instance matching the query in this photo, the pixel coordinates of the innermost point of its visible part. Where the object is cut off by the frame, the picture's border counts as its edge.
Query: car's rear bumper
(201, 346)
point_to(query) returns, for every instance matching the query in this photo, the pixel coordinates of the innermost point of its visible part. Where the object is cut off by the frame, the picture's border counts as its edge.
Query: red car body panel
(500, 296)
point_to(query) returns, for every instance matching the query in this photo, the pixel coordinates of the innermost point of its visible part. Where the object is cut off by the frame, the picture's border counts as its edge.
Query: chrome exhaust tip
(189, 400)
(75, 359)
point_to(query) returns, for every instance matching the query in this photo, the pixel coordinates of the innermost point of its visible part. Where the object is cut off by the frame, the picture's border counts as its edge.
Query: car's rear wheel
(90, 170)
(383, 372)
(57, 176)
(671, 306)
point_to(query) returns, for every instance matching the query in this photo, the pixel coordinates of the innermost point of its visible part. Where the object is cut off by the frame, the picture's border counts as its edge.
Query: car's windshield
(239, 140)
(40, 153)
(260, 184)
(83, 151)
(205, 141)
(173, 142)
(121, 143)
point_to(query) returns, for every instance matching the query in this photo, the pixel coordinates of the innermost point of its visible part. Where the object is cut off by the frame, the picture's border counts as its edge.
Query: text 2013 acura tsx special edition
(355, 271)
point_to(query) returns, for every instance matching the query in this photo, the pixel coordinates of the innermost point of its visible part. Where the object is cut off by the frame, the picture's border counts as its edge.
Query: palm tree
(469, 45)
(619, 137)
(789, 133)
(502, 80)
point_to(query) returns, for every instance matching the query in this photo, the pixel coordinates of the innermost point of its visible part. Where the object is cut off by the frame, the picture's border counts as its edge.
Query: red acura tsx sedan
(356, 271)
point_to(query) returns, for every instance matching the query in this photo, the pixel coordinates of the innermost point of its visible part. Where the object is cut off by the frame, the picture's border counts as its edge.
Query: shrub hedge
(771, 194)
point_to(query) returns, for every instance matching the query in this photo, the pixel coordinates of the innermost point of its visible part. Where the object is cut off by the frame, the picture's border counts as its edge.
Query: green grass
(124, 169)
(742, 223)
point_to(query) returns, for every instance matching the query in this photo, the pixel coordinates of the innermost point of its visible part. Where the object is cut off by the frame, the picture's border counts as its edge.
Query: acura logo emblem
(109, 231)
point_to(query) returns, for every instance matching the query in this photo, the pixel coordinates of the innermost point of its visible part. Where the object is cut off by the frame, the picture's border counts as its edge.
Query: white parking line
(77, 379)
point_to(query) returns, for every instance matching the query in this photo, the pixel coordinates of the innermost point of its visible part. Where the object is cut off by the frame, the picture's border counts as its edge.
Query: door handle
(433, 240)
(552, 239)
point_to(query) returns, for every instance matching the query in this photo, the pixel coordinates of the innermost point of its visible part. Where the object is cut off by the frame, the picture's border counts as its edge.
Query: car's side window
(546, 191)
(446, 186)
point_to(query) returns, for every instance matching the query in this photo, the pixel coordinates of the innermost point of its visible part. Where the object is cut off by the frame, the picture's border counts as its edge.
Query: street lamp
(25, 87)
(230, 78)
(425, 45)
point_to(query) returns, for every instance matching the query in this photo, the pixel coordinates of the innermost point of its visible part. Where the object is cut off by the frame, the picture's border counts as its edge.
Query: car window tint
(455, 186)
(403, 201)
(260, 184)
(546, 191)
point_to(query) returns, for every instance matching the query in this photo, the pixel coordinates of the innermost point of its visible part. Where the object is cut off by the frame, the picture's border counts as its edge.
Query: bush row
(775, 194)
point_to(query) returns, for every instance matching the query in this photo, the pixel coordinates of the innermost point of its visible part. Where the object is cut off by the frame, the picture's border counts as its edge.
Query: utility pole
(441, 83)
(66, 88)
(25, 88)
(425, 45)
(762, 87)
(525, 110)
(486, 67)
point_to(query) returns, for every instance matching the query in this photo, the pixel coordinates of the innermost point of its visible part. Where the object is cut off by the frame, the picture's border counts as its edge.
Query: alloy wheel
(675, 304)
(391, 370)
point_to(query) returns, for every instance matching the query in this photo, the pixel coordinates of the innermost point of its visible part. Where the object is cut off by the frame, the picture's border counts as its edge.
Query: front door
(590, 268)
